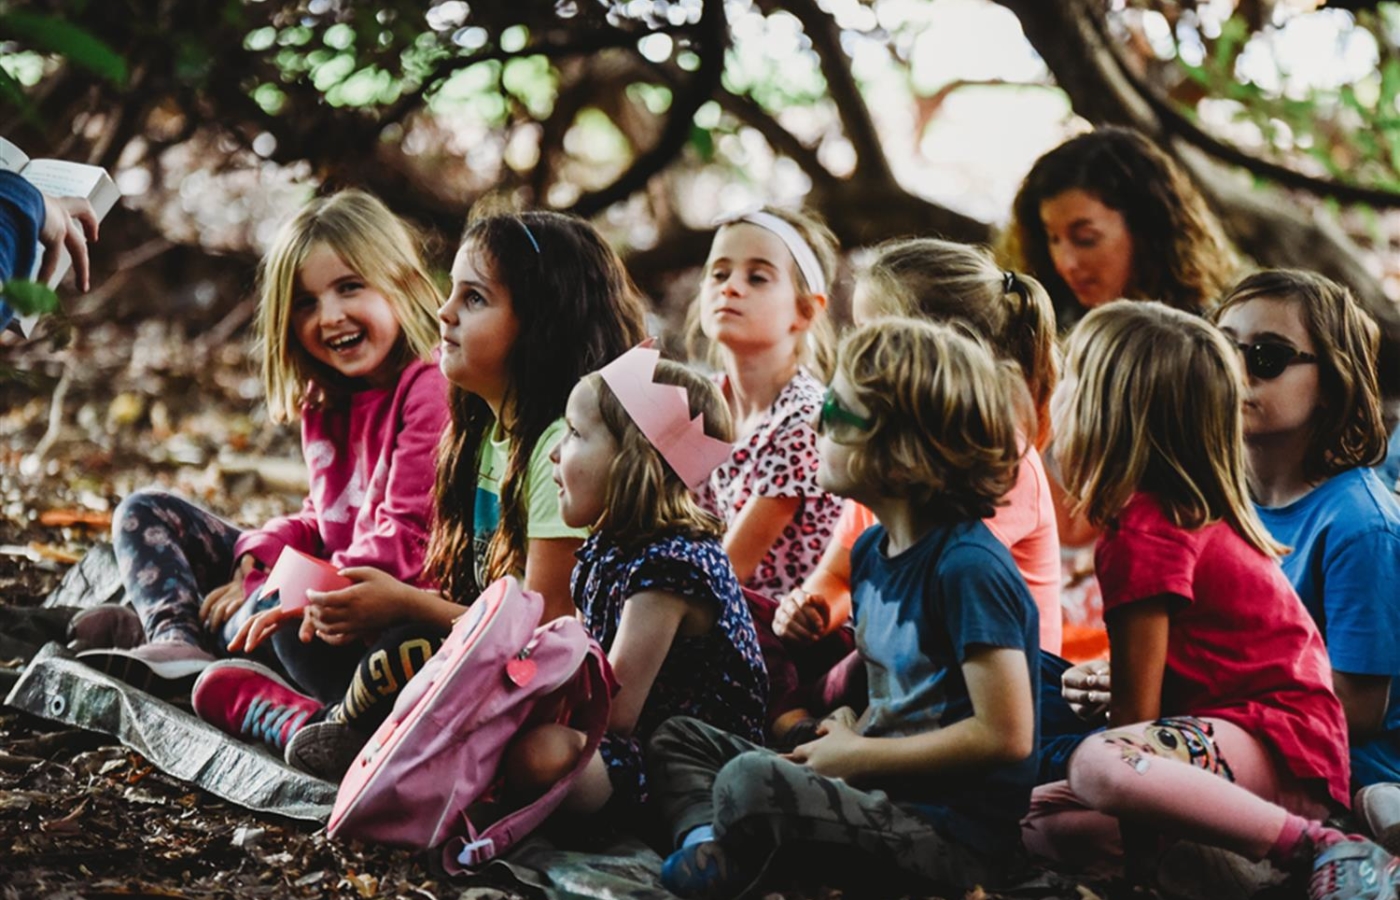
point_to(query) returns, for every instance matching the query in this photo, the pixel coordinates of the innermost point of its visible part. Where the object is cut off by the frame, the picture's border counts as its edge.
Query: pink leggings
(1205, 780)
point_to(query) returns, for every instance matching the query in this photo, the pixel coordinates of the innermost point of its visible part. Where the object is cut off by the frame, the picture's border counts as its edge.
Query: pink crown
(662, 412)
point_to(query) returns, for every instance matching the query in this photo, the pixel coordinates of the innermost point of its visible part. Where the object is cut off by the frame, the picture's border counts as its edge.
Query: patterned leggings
(170, 554)
(755, 798)
(1204, 779)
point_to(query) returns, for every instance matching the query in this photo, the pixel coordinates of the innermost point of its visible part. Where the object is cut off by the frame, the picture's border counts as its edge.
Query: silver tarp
(56, 686)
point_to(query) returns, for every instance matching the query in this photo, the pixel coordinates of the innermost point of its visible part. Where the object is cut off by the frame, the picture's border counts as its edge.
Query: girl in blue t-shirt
(918, 425)
(1313, 429)
(653, 583)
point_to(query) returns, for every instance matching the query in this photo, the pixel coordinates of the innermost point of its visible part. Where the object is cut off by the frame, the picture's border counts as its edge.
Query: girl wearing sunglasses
(1224, 727)
(1313, 429)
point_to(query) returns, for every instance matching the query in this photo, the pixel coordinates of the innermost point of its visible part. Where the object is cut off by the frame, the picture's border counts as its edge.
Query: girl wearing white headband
(762, 305)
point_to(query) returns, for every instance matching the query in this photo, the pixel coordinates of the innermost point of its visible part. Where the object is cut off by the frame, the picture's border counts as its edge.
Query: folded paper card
(296, 573)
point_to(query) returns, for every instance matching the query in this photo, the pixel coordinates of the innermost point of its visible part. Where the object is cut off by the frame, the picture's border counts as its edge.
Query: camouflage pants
(755, 799)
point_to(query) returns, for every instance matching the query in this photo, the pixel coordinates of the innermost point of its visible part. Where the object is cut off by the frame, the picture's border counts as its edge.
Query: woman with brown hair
(1108, 215)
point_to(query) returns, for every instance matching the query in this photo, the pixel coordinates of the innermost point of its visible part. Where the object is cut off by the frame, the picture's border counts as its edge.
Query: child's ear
(807, 310)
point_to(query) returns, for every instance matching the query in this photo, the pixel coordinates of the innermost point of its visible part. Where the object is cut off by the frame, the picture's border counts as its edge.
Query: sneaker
(1355, 869)
(704, 871)
(1378, 808)
(250, 701)
(163, 668)
(324, 749)
(106, 625)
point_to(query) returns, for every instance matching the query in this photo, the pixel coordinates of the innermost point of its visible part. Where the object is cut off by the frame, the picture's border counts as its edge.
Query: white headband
(796, 244)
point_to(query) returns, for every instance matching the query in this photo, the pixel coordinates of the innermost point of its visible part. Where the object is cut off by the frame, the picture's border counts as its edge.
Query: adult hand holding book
(69, 225)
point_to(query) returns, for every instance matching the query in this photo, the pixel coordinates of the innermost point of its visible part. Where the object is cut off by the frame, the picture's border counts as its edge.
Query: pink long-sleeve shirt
(372, 467)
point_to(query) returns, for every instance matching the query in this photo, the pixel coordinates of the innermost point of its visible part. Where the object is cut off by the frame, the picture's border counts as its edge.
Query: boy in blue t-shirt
(933, 778)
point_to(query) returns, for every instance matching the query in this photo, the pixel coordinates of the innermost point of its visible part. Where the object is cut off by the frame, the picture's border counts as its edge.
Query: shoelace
(1327, 880)
(269, 721)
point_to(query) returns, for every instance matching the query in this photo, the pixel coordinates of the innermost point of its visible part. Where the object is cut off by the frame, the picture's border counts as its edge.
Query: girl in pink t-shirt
(950, 282)
(347, 326)
(1225, 728)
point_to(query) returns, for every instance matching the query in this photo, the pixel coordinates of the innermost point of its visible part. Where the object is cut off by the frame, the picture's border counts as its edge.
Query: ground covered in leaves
(82, 426)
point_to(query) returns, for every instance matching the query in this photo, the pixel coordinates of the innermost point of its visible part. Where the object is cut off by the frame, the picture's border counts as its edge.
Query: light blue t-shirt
(1345, 566)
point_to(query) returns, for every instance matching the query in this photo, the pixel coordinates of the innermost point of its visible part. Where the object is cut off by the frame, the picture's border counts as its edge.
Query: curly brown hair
(1180, 254)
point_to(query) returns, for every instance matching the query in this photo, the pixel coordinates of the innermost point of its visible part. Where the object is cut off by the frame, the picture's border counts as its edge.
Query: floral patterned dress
(779, 458)
(717, 677)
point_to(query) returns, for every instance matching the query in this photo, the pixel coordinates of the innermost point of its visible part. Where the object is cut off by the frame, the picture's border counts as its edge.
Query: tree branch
(841, 84)
(1174, 122)
(712, 34)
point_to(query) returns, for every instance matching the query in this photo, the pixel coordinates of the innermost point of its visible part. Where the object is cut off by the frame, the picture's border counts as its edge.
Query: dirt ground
(81, 816)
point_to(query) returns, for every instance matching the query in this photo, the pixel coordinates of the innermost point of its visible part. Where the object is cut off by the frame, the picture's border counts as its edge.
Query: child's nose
(331, 309)
(446, 314)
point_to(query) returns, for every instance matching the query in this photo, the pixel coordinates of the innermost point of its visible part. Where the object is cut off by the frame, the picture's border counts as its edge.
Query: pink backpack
(439, 750)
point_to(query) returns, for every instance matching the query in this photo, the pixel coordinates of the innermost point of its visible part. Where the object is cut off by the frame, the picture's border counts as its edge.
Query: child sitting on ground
(653, 583)
(1232, 742)
(538, 300)
(346, 324)
(762, 305)
(919, 426)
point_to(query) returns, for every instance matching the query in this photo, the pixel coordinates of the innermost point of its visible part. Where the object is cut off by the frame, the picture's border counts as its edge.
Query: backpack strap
(592, 692)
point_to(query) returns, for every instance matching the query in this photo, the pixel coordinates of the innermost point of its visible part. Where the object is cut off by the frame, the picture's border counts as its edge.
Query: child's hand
(837, 751)
(223, 601)
(374, 602)
(1087, 688)
(802, 618)
(259, 627)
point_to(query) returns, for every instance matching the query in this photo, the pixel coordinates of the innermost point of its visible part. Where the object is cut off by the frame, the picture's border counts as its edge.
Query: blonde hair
(1157, 409)
(950, 282)
(376, 244)
(1348, 431)
(818, 350)
(645, 496)
(944, 426)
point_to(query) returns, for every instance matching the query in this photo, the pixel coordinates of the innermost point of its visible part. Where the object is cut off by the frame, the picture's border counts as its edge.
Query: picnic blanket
(54, 685)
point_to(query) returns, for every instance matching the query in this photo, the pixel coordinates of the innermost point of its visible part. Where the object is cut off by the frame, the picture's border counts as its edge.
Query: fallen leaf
(68, 824)
(367, 885)
(65, 518)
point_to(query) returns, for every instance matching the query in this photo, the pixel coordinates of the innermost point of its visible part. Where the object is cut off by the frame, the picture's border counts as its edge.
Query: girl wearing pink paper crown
(653, 582)
(762, 306)
(347, 329)
(538, 300)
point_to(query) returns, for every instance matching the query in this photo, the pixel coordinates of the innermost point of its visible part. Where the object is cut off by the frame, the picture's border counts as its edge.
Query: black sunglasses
(1268, 360)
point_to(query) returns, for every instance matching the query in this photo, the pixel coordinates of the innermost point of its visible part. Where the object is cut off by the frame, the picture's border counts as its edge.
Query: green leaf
(12, 93)
(703, 142)
(29, 297)
(53, 35)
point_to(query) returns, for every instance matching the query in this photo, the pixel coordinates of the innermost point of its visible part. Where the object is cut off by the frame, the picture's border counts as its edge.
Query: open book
(59, 178)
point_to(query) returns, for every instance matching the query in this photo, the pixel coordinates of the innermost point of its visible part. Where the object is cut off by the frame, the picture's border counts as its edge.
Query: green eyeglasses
(833, 411)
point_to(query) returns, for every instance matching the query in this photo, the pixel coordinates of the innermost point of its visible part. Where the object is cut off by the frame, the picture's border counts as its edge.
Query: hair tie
(531, 235)
(1008, 281)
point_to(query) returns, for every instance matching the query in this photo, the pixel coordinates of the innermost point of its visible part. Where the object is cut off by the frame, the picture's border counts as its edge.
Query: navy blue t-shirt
(918, 616)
